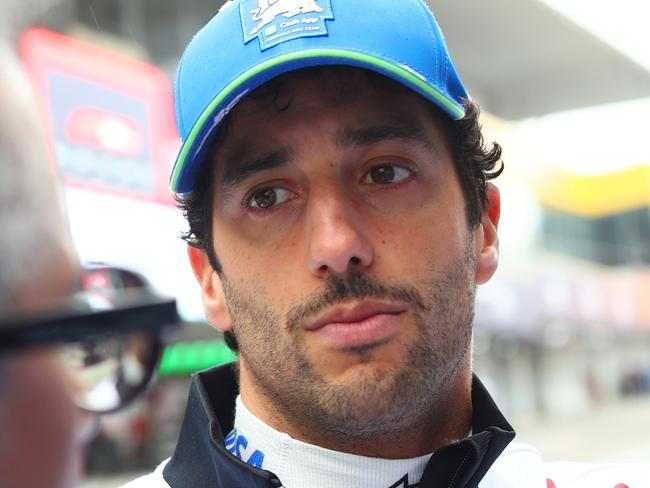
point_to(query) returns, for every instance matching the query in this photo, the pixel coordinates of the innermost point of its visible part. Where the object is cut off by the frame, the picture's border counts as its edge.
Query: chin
(362, 364)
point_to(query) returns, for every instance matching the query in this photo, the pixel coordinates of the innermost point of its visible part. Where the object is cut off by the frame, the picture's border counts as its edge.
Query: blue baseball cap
(249, 42)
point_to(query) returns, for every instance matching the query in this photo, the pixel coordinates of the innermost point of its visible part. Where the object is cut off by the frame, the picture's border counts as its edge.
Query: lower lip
(374, 329)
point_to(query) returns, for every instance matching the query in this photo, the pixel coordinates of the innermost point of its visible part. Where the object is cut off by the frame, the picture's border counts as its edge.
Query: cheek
(257, 264)
(38, 422)
(260, 277)
(431, 234)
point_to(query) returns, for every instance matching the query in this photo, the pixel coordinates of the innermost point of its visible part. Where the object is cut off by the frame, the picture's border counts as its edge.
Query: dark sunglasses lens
(108, 372)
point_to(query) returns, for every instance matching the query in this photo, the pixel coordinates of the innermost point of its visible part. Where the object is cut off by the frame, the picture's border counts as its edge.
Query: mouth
(362, 324)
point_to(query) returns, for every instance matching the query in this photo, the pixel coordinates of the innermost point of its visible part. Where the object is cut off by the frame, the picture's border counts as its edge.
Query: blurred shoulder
(597, 475)
(518, 466)
(521, 466)
(151, 480)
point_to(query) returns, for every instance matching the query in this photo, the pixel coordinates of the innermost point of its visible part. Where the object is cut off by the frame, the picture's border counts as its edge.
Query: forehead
(331, 85)
(335, 99)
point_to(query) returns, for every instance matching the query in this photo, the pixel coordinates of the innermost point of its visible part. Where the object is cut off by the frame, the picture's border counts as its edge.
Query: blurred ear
(214, 303)
(486, 238)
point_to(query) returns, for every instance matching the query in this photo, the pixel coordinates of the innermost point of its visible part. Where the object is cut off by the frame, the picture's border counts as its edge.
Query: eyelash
(412, 173)
(248, 205)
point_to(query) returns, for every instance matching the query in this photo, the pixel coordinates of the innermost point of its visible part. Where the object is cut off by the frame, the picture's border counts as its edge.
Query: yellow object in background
(597, 196)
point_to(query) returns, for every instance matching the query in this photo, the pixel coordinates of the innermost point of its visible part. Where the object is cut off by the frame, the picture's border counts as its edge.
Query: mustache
(357, 285)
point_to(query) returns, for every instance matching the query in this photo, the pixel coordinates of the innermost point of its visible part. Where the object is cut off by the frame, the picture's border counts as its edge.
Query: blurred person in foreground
(335, 182)
(38, 422)
(59, 356)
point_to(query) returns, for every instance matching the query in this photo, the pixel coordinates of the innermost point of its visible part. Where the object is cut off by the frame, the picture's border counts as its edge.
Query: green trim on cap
(336, 54)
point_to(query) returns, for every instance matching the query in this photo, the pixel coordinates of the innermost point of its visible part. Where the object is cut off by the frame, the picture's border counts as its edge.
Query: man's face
(349, 268)
(41, 429)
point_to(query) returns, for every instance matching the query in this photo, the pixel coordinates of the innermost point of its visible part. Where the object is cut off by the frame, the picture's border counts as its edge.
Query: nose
(337, 242)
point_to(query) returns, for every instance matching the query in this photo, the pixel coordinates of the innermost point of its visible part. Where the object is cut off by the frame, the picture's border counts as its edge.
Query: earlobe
(214, 303)
(487, 238)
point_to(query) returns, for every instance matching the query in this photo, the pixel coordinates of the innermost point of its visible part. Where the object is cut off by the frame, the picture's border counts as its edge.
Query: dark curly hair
(475, 161)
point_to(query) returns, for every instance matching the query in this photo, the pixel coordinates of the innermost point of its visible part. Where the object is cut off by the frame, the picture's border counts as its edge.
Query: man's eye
(268, 197)
(387, 174)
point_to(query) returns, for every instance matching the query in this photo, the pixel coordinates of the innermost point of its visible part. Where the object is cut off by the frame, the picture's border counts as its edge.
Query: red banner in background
(110, 118)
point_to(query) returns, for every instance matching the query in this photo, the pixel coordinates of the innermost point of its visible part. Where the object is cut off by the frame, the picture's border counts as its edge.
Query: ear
(486, 238)
(214, 303)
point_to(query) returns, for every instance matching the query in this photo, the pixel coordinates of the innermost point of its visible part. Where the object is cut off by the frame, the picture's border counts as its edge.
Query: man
(42, 430)
(334, 179)
(38, 268)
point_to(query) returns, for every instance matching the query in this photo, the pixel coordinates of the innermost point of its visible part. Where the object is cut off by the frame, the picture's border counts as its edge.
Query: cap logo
(276, 21)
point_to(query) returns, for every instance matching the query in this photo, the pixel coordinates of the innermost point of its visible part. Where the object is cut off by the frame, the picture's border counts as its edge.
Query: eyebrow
(235, 172)
(397, 130)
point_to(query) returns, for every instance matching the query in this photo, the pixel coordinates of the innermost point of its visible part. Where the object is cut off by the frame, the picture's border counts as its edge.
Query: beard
(370, 402)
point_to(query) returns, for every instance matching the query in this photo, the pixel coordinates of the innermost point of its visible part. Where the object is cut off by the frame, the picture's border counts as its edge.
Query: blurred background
(562, 332)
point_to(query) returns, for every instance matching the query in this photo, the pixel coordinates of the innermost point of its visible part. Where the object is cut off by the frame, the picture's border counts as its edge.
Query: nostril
(355, 260)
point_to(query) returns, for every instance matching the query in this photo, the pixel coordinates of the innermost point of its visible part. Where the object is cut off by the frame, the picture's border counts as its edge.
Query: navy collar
(201, 460)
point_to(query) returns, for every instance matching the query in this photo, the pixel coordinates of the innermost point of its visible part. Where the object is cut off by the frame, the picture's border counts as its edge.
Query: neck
(447, 420)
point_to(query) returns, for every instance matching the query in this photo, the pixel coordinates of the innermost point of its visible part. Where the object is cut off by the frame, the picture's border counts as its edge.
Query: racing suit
(485, 459)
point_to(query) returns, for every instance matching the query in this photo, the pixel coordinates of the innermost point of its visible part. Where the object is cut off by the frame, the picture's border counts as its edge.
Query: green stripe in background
(184, 358)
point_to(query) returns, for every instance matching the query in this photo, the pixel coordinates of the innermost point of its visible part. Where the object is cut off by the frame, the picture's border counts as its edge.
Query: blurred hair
(31, 219)
(18, 15)
(475, 161)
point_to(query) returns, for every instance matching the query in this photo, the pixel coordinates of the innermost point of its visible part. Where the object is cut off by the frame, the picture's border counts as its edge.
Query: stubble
(371, 402)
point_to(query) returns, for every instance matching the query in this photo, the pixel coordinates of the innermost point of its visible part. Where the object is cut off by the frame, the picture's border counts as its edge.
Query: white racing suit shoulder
(521, 466)
(518, 466)
(151, 480)
(597, 475)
